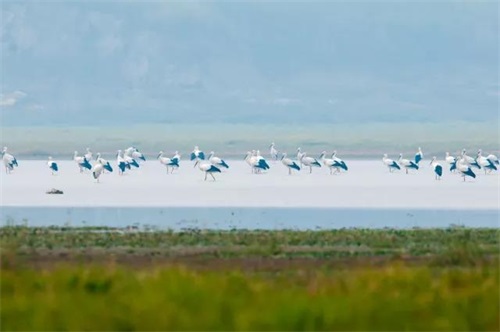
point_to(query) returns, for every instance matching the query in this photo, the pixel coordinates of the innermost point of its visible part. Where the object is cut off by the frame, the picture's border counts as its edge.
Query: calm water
(247, 218)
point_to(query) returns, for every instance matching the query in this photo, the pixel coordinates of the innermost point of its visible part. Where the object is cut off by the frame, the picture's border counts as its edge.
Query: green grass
(390, 298)
(351, 279)
(453, 241)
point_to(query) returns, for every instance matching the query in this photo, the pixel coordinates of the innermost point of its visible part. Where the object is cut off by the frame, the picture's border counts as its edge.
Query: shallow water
(248, 218)
(365, 196)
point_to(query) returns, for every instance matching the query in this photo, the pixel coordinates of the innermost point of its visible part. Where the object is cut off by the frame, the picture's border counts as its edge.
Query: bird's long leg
(206, 173)
(289, 171)
(407, 171)
(213, 177)
(310, 169)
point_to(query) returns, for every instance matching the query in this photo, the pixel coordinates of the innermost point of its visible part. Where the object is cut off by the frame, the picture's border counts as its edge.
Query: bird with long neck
(9, 161)
(391, 164)
(273, 152)
(452, 161)
(207, 168)
(52, 166)
(487, 164)
(309, 162)
(82, 162)
(436, 166)
(289, 163)
(216, 161)
(168, 162)
(407, 164)
(465, 169)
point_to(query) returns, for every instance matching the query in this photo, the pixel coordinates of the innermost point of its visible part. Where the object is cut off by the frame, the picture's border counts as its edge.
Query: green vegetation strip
(456, 243)
(349, 279)
(107, 298)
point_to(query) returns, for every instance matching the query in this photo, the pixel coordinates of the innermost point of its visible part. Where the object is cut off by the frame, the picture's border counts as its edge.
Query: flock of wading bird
(131, 157)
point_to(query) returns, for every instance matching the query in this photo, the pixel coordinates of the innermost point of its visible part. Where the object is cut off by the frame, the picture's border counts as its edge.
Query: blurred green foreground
(452, 286)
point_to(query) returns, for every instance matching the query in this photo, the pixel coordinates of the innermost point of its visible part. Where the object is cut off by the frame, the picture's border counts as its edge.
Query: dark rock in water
(55, 191)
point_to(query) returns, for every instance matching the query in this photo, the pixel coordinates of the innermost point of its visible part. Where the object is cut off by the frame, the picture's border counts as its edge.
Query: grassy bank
(351, 279)
(454, 243)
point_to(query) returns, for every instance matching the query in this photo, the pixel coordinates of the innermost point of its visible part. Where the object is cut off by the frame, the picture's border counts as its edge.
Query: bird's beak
(196, 164)
(159, 154)
(430, 163)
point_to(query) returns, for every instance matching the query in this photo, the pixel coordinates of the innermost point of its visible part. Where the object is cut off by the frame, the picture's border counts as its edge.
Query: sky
(123, 63)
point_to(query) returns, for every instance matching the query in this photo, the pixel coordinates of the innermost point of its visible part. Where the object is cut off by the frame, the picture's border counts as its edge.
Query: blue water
(247, 218)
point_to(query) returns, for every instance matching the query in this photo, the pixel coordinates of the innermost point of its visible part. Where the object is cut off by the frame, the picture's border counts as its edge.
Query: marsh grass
(454, 287)
(110, 298)
(454, 245)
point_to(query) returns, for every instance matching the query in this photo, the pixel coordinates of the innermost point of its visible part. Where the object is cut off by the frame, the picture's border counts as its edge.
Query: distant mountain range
(108, 63)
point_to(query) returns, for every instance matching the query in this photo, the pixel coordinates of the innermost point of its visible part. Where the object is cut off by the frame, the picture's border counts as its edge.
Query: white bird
(177, 156)
(339, 164)
(391, 164)
(273, 152)
(207, 168)
(260, 160)
(9, 161)
(309, 162)
(121, 162)
(82, 162)
(493, 159)
(452, 161)
(299, 156)
(469, 160)
(216, 161)
(289, 163)
(134, 153)
(105, 164)
(407, 164)
(168, 162)
(419, 156)
(256, 164)
(438, 169)
(465, 169)
(130, 160)
(97, 170)
(484, 162)
(88, 155)
(327, 162)
(52, 166)
(197, 154)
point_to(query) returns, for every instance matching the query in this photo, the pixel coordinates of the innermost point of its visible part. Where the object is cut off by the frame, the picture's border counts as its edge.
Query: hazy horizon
(131, 63)
(233, 140)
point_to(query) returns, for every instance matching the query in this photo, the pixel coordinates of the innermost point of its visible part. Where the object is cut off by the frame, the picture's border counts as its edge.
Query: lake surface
(248, 218)
(365, 196)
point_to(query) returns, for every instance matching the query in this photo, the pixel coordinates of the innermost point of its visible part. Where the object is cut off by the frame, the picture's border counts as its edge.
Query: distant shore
(351, 140)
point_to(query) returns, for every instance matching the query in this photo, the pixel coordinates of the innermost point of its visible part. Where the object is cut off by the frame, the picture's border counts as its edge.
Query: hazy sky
(99, 62)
